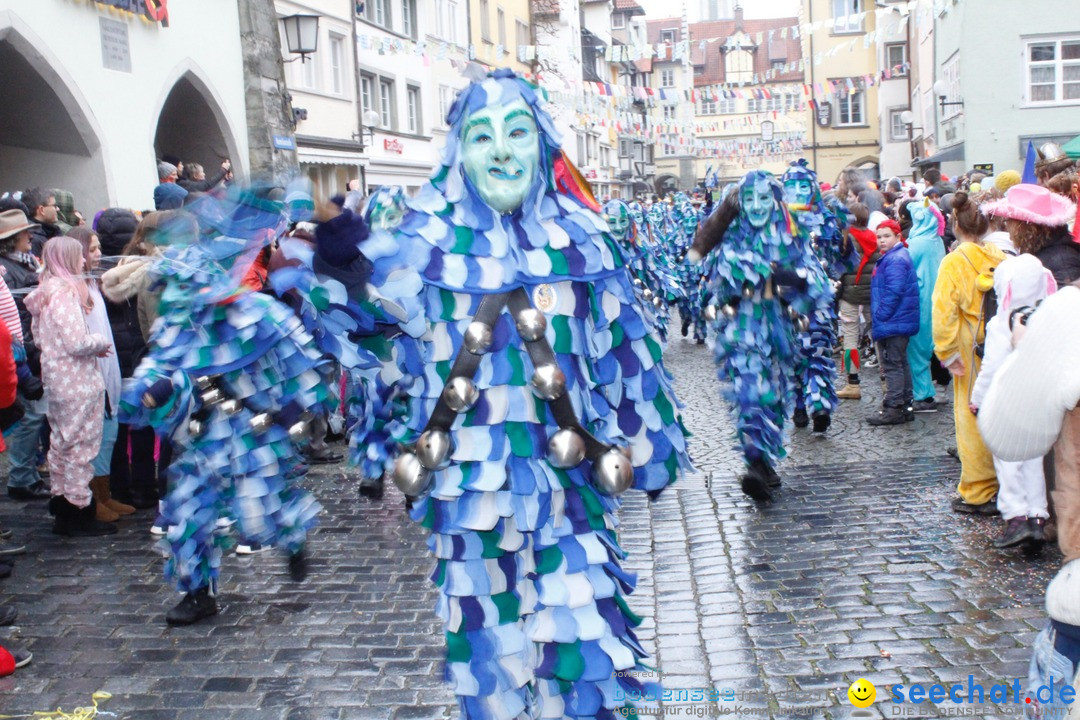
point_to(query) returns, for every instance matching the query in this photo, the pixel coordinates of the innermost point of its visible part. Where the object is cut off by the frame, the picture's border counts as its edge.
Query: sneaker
(850, 392)
(21, 656)
(909, 414)
(928, 405)
(250, 548)
(987, 508)
(37, 491)
(6, 533)
(1016, 533)
(888, 416)
(1037, 527)
(159, 528)
(871, 362)
(953, 453)
(10, 548)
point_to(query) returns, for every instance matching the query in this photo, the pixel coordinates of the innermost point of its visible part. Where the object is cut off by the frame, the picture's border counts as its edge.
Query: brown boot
(101, 511)
(849, 392)
(106, 498)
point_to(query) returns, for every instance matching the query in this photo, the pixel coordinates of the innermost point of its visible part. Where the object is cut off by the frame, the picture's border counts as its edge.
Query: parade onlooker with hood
(1019, 282)
(66, 215)
(73, 383)
(959, 315)
(927, 252)
(1037, 220)
(97, 322)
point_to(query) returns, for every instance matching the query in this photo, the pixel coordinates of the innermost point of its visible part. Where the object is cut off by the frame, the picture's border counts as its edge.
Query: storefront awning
(954, 152)
(321, 156)
(1072, 148)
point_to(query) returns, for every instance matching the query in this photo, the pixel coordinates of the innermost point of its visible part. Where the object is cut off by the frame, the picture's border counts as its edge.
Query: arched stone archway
(49, 136)
(192, 126)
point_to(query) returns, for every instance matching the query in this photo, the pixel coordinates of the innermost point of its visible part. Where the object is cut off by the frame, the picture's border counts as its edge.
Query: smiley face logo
(861, 694)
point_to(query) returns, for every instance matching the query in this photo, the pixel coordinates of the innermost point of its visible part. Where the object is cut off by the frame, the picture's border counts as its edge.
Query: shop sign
(284, 142)
(155, 11)
(824, 114)
(393, 145)
(115, 48)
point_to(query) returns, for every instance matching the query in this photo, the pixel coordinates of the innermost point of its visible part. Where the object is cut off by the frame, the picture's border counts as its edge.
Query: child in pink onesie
(73, 384)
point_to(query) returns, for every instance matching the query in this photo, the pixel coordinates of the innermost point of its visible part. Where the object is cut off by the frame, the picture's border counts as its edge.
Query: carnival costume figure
(764, 282)
(654, 284)
(233, 379)
(685, 220)
(927, 251)
(524, 380)
(818, 227)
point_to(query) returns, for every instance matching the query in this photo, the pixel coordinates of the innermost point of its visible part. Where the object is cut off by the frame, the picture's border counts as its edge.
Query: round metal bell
(461, 394)
(212, 396)
(531, 324)
(638, 282)
(410, 476)
(710, 312)
(231, 406)
(478, 338)
(647, 294)
(549, 382)
(612, 472)
(748, 291)
(566, 449)
(792, 312)
(195, 427)
(262, 422)
(729, 311)
(803, 323)
(300, 431)
(658, 302)
(433, 449)
(203, 382)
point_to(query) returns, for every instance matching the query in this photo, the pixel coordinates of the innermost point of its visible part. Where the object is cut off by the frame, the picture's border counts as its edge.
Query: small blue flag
(1029, 166)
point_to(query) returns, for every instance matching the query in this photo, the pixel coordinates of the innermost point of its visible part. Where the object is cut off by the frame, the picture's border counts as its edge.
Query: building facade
(93, 94)
(842, 122)
(1026, 89)
(497, 28)
(894, 92)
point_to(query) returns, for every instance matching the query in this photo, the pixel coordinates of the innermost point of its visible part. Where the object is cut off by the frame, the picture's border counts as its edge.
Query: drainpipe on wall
(810, 60)
(356, 90)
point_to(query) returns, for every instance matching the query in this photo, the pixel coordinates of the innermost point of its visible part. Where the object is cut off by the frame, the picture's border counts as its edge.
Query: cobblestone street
(859, 569)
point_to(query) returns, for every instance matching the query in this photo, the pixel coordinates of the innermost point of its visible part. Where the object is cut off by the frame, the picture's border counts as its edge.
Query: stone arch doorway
(192, 126)
(49, 137)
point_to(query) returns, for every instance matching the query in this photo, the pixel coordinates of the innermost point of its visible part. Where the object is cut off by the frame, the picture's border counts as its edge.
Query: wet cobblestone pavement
(859, 569)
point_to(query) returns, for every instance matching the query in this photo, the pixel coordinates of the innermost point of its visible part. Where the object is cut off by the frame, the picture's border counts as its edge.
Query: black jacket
(20, 277)
(115, 228)
(1061, 256)
(202, 185)
(127, 336)
(42, 234)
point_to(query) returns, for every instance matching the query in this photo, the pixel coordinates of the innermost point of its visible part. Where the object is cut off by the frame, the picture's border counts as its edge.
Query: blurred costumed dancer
(766, 281)
(654, 285)
(685, 219)
(817, 227)
(514, 361)
(234, 380)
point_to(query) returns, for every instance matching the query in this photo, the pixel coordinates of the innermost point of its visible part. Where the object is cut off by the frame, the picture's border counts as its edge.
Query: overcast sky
(751, 8)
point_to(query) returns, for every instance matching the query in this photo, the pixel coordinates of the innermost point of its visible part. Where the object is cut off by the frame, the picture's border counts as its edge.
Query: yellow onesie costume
(957, 328)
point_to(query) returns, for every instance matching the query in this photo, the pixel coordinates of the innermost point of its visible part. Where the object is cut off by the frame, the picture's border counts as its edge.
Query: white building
(323, 89)
(893, 94)
(1007, 74)
(93, 94)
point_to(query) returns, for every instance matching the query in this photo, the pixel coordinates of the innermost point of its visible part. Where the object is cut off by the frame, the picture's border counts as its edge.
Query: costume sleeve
(946, 314)
(164, 418)
(997, 348)
(70, 323)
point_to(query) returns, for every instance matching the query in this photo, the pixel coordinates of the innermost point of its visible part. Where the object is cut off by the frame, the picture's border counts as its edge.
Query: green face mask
(619, 224)
(758, 203)
(501, 153)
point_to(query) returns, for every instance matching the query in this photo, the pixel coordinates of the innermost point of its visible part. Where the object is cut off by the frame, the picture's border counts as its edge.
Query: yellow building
(842, 123)
(497, 28)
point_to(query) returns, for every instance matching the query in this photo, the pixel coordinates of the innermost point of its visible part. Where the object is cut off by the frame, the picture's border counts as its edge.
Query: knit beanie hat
(1006, 179)
(1061, 595)
(165, 169)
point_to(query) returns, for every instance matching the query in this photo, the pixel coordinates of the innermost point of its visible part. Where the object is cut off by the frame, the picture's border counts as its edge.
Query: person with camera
(1020, 283)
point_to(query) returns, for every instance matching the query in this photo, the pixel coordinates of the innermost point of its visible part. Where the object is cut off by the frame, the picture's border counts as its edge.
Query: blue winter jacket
(894, 295)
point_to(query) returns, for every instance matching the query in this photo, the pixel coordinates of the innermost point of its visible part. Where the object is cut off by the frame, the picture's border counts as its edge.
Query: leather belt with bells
(567, 447)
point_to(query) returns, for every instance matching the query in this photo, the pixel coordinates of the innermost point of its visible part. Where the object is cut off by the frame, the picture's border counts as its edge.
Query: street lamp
(371, 121)
(301, 35)
(941, 89)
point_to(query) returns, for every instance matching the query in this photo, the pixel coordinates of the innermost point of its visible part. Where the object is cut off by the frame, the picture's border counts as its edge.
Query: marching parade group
(496, 346)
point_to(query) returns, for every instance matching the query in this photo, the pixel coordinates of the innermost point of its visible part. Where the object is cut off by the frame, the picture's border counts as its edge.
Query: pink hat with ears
(1033, 204)
(1020, 281)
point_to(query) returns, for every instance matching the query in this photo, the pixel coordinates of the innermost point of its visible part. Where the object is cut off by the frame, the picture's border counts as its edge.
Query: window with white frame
(707, 106)
(728, 106)
(670, 113)
(446, 100)
(668, 147)
(846, 17)
(377, 12)
(408, 18)
(605, 156)
(898, 131)
(386, 103)
(307, 72)
(626, 147)
(446, 20)
(792, 102)
(1053, 71)
(850, 109)
(667, 78)
(522, 34)
(500, 27)
(412, 107)
(337, 64)
(950, 75)
(618, 21)
(738, 66)
(485, 21)
(896, 58)
(367, 92)
(667, 37)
